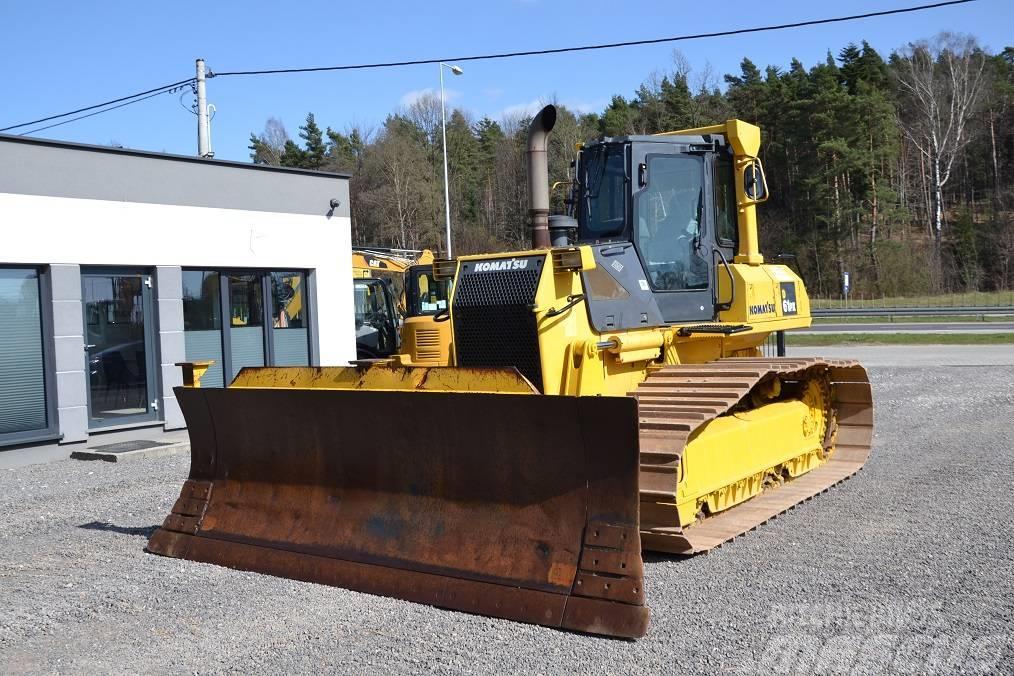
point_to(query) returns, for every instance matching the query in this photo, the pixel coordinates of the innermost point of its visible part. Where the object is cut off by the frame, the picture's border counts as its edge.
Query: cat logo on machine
(789, 298)
(500, 265)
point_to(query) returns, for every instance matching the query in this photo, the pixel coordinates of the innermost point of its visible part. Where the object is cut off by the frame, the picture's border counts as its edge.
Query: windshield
(371, 303)
(429, 295)
(602, 212)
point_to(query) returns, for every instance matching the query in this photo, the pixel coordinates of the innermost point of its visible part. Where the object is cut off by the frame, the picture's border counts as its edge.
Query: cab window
(602, 213)
(725, 202)
(430, 294)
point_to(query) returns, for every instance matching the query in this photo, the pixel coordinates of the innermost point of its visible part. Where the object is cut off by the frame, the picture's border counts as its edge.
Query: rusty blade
(505, 505)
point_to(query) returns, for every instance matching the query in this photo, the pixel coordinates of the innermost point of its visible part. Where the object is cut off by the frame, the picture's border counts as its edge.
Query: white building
(116, 264)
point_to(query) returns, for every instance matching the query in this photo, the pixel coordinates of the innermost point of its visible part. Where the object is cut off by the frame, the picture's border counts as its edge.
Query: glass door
(118, 341)
(246, 324)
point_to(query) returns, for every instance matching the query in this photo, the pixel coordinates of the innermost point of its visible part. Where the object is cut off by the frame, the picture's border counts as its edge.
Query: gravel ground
(907, 567)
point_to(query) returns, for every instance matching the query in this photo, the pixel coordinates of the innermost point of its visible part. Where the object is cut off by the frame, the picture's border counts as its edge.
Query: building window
(202, 322)
(267, 321)
(288, 319)
(23, 409)
(246, 328)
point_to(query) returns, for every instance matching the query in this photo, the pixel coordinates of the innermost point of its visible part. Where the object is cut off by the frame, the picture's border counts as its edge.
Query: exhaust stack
(538, 176)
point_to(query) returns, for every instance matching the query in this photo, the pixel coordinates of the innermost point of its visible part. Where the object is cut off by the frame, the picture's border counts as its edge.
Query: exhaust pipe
(538, 176)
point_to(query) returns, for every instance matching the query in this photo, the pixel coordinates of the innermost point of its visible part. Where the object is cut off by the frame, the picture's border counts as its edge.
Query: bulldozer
(607, 394)
(396, 299)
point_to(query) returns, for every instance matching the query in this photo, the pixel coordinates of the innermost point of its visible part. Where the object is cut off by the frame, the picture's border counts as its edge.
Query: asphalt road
(912, 327)
(907, 567)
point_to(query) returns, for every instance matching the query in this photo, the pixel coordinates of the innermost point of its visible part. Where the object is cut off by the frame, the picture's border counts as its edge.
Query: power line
(156, 90)
(97, 112)
(585, 48)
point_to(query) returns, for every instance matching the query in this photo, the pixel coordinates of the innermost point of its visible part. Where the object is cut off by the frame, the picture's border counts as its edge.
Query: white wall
(42, 230)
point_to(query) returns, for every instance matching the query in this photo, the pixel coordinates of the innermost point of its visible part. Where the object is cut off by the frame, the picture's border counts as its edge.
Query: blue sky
(61, 55)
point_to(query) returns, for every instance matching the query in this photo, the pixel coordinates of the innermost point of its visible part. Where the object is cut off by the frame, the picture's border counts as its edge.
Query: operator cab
(425, 295)
(660, 213)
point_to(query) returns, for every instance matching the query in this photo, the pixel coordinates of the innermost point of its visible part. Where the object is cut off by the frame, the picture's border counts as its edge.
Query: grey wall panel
(40, 167)
(171, 413)
(291, 347)
(65, 281)
(73, 386)
(68, 329)
(170, 311)
(312, 307)
(171, 343)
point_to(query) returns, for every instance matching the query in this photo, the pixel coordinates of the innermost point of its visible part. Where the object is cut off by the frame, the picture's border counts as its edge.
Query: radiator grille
(427, 343)
(493, 320)
(427, 338)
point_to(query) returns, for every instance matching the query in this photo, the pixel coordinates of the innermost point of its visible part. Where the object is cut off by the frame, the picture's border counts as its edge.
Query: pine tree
(618, 119)
(313, 139)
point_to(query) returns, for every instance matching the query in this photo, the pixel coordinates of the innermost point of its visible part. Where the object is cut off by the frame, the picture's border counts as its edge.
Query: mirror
(754, 184)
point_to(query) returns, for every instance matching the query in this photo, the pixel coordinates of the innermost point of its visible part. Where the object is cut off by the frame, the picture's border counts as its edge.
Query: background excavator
(607, 394)
(396, 299)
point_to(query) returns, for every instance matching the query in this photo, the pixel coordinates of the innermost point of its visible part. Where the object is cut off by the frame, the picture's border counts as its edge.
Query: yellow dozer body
(606, 395)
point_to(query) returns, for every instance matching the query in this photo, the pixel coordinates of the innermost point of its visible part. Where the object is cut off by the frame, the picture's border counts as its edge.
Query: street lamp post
(443, 126)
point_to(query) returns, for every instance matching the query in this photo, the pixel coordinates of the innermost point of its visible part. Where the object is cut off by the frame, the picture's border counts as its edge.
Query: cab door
(376, 329)
(670, 211)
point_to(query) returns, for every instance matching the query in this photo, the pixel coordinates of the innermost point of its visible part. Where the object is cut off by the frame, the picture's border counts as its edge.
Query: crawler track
(675, 401)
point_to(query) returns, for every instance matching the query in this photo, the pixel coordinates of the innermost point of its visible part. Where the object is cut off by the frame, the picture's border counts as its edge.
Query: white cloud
(532, 107)
(582, 107)
(415, 95)
(523, 109)
(493, 92)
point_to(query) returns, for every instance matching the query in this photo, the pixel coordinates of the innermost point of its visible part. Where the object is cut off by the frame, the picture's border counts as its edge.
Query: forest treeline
(898, 170)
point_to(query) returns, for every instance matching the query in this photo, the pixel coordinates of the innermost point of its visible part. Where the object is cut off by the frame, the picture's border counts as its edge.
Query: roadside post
(845, 288)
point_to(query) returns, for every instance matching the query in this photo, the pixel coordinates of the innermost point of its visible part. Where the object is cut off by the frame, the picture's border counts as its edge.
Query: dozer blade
(516, 506)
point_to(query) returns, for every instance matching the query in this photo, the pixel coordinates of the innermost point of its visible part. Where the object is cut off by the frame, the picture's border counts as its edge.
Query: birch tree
(940, 83)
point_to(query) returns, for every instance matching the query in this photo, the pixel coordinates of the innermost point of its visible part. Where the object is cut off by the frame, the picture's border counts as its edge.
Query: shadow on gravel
(660, 557)
(146, 531)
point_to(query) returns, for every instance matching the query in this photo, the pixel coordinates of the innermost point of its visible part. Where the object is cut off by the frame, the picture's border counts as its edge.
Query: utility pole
(203, 129)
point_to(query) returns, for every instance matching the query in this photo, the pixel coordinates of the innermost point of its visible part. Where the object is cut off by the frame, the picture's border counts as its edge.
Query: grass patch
(990, 298)
(826, 339)
(911, 319)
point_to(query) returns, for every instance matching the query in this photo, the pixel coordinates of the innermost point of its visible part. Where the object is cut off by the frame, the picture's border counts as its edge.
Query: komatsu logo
(498, 266)
(763, 309)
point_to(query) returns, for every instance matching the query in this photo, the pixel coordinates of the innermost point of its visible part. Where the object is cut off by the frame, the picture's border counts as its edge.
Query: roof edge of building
(87, 147)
